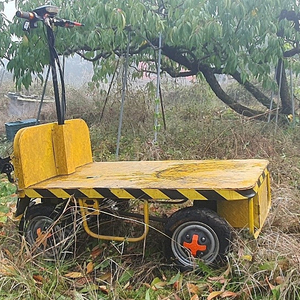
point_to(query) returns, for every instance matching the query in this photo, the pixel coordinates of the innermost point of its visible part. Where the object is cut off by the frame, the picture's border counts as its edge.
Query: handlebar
(26, 15)
(66, 23)
(46, 13)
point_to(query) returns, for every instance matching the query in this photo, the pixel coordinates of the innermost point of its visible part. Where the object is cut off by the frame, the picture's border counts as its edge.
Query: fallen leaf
(103, 289)
(82, 282)
(74, 275)
(42, 237)
(177, 285)
(195, 297)
(220, 279)
(226, 294)
(213, 295)
(104, 277)
(38, 278)
(89, 267)
(96, 251)
(157, 284)
(192, 288)
(279, 279)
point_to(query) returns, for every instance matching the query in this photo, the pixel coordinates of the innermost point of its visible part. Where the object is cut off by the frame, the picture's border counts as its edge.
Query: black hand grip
(25, 15)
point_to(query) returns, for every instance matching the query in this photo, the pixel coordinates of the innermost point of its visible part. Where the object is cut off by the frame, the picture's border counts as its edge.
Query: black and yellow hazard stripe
(145, 194)
(149, 193)
(262, 177)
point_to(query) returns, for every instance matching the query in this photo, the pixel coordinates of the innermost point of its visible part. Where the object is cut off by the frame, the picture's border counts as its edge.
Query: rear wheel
(46, 231)
(195, 233)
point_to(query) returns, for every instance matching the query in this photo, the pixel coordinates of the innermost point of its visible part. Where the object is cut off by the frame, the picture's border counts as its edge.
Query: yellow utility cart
(220, 193)
(60, 188)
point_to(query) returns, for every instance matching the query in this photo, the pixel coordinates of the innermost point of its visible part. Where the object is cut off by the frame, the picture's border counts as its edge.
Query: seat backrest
(44, 151)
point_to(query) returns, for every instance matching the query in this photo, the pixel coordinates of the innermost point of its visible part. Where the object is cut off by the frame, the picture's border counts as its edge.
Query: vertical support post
(124, 86)
(157, 99)
(279, 89)
(43, 96)
(251, 215)
(292, 96)
(271, 103)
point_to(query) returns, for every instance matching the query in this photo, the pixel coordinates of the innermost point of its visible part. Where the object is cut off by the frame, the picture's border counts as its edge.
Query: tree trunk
(284, 90)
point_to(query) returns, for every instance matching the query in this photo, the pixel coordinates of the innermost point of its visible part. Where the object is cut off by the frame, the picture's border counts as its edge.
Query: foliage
(237, 38)
(4, 33)
(8, 199)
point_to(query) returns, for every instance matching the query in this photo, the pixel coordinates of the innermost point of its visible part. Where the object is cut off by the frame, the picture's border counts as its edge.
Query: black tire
(196, 233)
(46, 231)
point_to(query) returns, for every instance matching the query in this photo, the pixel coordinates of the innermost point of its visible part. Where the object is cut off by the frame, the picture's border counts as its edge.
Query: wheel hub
(194, 245)
(192, 240)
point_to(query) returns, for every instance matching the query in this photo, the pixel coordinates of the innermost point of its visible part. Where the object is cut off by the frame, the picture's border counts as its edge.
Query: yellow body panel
(48, 150)
(55, 161)
(229, 178)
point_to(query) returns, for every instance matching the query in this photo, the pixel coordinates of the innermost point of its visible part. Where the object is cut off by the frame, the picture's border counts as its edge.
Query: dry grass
(198, 127)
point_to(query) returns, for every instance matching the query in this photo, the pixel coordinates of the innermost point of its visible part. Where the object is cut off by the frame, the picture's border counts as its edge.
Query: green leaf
(125, 277)
(147, 295)
(175, 278)
(4, 209)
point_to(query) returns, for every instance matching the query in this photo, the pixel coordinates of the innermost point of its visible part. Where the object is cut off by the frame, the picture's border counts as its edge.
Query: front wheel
(46, 231)
(195, 233)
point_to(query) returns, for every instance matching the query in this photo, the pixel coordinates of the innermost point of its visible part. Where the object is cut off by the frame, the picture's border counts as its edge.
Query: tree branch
(253, 90)
(215, 86)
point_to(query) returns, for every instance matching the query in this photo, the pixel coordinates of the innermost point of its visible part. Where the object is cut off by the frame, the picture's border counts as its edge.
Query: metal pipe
(156, 125)
(115, 238)
(124, 79)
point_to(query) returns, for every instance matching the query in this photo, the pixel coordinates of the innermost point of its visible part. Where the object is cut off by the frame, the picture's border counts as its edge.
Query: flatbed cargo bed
(189, 179)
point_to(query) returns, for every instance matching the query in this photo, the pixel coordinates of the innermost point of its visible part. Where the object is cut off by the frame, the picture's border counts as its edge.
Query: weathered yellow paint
(155, 193)
(262, 204)
(59, 193)
(250, 213)
(91, 193)
(72, 146)
(44, 151)
(191, 194)
(33, 194)
(63, 153)
(235, 212)
(33, 157)
(121, 193)
(92, 206)
(251, 216)
(230, 194)
(236, 175)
